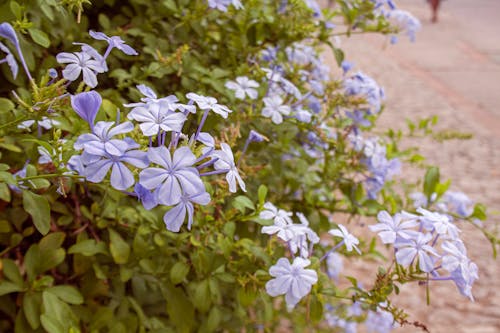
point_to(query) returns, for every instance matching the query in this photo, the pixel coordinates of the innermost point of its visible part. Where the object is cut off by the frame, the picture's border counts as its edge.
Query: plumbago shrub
(178, 165)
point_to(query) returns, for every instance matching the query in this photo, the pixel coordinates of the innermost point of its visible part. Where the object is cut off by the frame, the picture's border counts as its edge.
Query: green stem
(13, 122)
(49, 175)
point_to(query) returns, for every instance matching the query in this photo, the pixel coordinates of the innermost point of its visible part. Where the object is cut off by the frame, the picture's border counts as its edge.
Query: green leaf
(241, 202)
(11, 147)
(68, 294)
(214, 319)
(430, 181)
(88, 248)
(16, 9)
(180, 310)
(39, 209)
(316, 309)
(39, 37)
(51, 324)
(8, 178)
(32, 303)
(479, 212)
(120, 250)
(57, 315)
(52, 241)
(201, 296)
(6, 105)
(37, 261)
(262, 193)
(11, 271)
(179, 272)
(7, 287)
(4, 192)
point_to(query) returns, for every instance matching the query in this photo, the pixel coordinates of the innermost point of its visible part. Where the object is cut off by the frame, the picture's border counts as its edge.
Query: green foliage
(81, 257)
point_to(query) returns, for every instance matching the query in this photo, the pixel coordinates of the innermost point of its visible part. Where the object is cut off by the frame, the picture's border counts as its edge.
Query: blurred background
(452, 71)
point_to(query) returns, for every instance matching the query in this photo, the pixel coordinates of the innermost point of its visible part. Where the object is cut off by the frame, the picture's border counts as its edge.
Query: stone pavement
(453, 71)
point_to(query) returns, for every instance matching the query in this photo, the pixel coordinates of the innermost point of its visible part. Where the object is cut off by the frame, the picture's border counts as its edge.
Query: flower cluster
(375, 159)
(89, 62)
(222, 5)
(429, 241)
(169, 173)
(294, 280)
(450, 202)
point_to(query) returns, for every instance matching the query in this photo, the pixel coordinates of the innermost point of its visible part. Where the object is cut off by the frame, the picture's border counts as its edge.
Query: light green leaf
(4, 192)
(241, 202)
(262, 193)
(120, 250)
(6, 105)
(32, 303)
(7, 287)
(11, 271)
(179, 272)
(39, 209)
(39, 37)
(68, 294)
(431, 180)
(88, 248)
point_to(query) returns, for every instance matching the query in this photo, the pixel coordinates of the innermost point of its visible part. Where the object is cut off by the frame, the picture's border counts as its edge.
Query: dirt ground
(453, 71)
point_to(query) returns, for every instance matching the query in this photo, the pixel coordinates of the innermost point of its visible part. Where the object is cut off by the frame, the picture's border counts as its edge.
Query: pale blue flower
(464, 277)
(146, 197)
(101, 142)
(459, 203)
(174, 218)
(314, 6)
(455, 255)
(301, 54)
(292, 280)
(405, 21)
(226, 162)
(349, 240)
(7, 31)
(275, 109)
(45, 122)
(269, 54)
(303, 237)
(254, 136)
(390, 228)
(75, 164)
(346, 66)
(280, 217)
(10, 60)
(223, 4)
(175, 176)
(441, 223)
(156, 117)
(113, 42)
(358, 118)
(364, 86)
(303, 115)
(334, 265)
(121, 177)
(410, 249)
(380, 321)
(209, 103)
(243, 87)
(86, 105)
(81, 62)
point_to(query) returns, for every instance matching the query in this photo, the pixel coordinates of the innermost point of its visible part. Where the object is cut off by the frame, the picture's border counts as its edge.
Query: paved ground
(453, 71)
